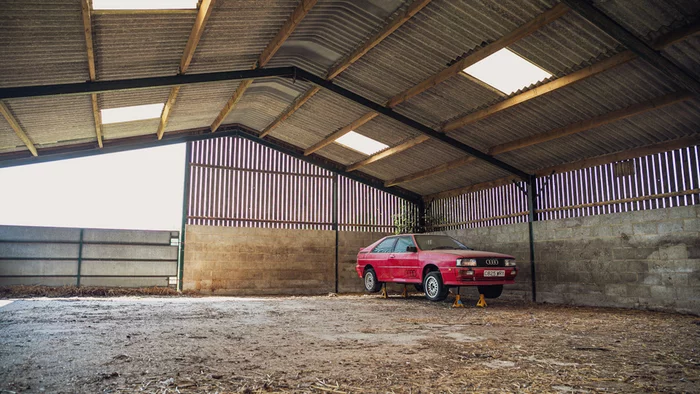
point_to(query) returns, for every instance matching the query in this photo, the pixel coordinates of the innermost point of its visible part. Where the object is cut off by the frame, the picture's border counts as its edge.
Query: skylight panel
(144, 4)
(507, 71)
(360, 143)
(130, 114)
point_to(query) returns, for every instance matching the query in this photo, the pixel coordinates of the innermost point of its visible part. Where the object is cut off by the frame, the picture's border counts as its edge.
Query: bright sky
(140, 189)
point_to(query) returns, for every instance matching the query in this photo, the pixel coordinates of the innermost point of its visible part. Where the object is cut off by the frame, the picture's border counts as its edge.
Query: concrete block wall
(114, 258)
(349, 243)
(258, 261)
(645, 259)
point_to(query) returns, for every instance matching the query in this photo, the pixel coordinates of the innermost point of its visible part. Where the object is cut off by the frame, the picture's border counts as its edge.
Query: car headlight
(510, 263)
(466, 263)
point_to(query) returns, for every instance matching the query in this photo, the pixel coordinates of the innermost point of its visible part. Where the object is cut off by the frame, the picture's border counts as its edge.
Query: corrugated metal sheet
(645, 18)
(141, 45)
(686, 54)
(660, 125)
(331, 31)
(50, 120)
(264, 101)
(618, 88)
(323, 114)
(237, 32)
(427, 155)
(433, 38)
(130, 129)
(42, 43)
(198, 105)
(475, 172)
(9, 142)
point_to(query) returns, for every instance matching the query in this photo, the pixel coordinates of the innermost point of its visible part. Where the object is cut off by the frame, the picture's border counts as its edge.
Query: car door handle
(391, 256)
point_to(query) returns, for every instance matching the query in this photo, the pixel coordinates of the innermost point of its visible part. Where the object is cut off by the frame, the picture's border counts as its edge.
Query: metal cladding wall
(55, 256)
(235, 182)
(662, 180)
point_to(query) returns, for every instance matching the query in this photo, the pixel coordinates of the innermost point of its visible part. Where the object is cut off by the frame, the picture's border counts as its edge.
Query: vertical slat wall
(236, 182)
(661, 180)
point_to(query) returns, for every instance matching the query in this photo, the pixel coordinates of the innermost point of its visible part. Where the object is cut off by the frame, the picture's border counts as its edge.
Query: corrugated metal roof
(264, 101)
(621, 87)
(42, 43)
(237, 32)
(140, 45)
(9, 142)
(48, 47)
(198, 105)
(645, 18)
(50, 120)
(332, 30)
(430, 40)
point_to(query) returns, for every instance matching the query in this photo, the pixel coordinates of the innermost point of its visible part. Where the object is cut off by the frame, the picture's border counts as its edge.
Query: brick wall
(256, 261)
(644, 259)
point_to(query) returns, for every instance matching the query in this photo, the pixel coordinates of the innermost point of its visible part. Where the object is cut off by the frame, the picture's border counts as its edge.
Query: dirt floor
(339, 344)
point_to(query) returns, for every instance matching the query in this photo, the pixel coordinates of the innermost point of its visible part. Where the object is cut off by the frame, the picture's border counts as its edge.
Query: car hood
(474, 254)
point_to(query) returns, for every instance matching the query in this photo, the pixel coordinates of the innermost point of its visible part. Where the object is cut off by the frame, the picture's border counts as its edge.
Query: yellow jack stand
(482, 301)
(458, 302)
(384, 295)
(405, 292)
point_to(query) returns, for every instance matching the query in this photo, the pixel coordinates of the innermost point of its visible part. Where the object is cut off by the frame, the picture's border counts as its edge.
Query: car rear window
(385, 246)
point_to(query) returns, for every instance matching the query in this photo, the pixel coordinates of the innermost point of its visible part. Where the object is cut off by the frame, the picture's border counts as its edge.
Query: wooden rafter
(17, 128)
(574, 128)
(391, 27)
(585, 163)
(341, 132)
(200, 22)
(87, 29)
(388, 152)
(272, 47)
(457, 67)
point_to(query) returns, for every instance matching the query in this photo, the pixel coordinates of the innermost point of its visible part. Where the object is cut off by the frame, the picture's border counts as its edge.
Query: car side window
(385, 246)
(402, 243)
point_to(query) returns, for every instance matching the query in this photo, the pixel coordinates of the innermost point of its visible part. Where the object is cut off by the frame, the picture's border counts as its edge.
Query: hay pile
(21, 291)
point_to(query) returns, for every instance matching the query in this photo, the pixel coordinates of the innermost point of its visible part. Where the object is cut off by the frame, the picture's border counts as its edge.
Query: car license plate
(488, 273)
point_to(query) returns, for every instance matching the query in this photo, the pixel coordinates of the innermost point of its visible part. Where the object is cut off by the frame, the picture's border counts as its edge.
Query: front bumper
(477, 276)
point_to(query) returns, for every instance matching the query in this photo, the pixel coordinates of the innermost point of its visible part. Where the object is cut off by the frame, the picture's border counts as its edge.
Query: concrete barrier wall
(645, 259)
(257, 261)
(49, 256)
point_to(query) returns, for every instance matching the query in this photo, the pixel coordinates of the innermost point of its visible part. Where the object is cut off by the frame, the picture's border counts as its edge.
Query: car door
(380, 259)
(404, 263)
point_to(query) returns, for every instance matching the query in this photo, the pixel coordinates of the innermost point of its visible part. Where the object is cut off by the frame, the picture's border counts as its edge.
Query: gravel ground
(339, 344)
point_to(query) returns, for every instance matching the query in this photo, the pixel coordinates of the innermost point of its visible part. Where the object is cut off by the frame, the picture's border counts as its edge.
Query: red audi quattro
(434, 264)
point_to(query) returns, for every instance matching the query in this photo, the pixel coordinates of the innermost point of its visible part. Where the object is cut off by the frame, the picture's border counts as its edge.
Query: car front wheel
(491, 291)
(433, 287)
(372, 285)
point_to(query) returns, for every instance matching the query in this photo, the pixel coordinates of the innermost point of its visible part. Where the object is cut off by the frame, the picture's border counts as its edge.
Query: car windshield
(437, 242)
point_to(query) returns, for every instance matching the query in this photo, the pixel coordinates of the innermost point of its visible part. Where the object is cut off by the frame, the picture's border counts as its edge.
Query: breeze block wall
(644, 259)
(258, 261)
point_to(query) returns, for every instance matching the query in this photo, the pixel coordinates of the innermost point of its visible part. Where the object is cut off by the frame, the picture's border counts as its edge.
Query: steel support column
(531, 218)
(185, 205)
(80, 258)
(335, 226)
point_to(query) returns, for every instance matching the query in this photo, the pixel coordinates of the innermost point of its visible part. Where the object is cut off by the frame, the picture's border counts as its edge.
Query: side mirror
(411, 249)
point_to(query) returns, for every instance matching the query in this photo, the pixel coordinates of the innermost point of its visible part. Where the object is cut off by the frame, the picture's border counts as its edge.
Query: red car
(434, 264)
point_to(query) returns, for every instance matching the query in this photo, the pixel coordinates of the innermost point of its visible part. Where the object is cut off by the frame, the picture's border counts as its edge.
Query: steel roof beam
(305, 75)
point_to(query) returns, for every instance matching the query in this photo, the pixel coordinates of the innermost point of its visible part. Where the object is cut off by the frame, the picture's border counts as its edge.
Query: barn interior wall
(259, 261)
(645, 259)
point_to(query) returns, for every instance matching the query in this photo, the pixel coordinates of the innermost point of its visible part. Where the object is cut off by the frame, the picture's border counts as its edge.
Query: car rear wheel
(491, 291)
(434, 289)
(372, 285)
